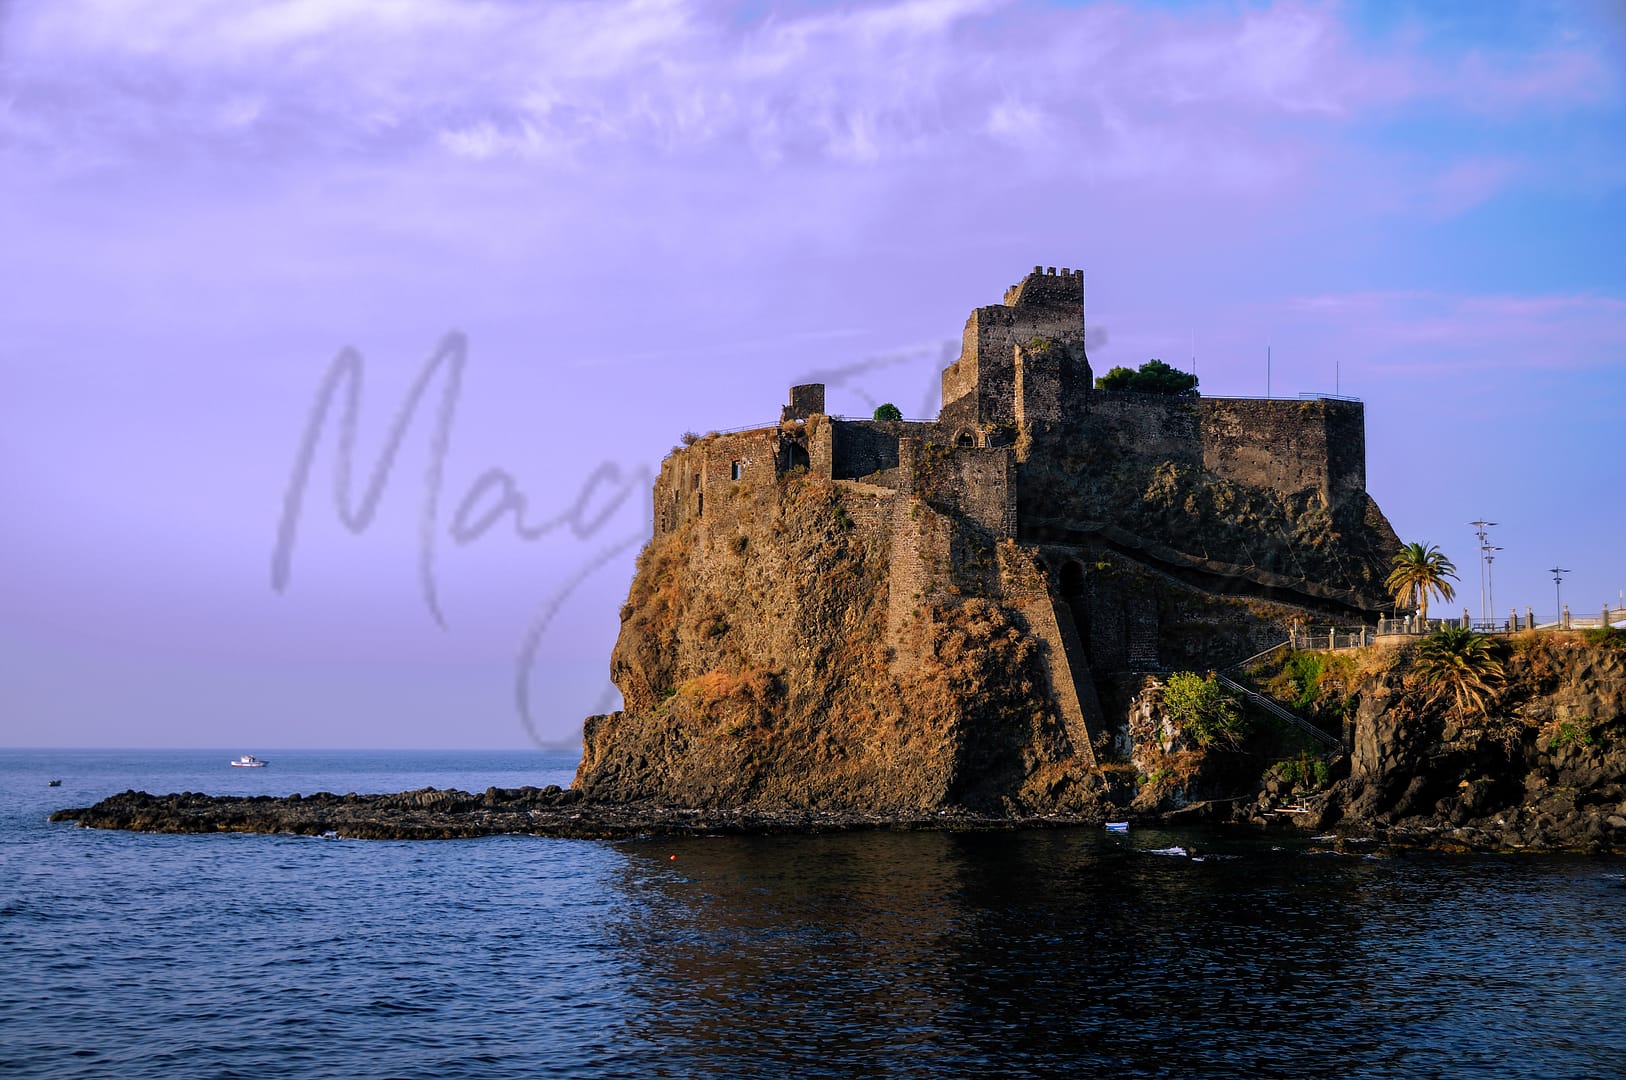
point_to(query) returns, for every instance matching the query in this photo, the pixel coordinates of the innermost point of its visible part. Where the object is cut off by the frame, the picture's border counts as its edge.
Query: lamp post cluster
(1487, 560)
(1487, 556)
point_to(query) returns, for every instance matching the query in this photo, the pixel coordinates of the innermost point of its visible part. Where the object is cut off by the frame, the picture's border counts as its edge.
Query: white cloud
(1104, 91)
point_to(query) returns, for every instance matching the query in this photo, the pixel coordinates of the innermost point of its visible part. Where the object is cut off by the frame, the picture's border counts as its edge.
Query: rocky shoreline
(431, 814)
(1545, 771)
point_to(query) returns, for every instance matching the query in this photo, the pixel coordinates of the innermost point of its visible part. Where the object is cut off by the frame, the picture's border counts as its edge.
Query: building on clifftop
(1114, 532)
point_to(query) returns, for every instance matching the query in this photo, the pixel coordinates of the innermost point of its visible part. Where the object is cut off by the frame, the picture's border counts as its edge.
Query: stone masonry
(1026, 453)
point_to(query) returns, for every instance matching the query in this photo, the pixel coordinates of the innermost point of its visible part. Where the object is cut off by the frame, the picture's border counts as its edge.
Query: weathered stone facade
(1116, 531)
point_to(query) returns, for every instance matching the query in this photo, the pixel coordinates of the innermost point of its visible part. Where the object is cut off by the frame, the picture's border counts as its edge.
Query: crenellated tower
(1021, 361)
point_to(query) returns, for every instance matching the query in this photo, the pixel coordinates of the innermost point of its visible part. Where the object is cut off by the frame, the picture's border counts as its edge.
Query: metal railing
(1253, 697)
(1332, 637)
(1302, 396)
(1514, 623)
(1243, 665)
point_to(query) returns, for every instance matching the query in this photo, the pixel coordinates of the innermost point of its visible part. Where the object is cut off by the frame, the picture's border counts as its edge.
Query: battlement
(1022, 359)
(1045, 287)
(805, 400)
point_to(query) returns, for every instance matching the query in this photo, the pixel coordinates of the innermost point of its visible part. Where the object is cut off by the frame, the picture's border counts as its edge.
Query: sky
(342, 340)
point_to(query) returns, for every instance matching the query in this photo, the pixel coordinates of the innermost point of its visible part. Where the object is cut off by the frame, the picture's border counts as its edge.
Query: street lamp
(1484, 540)
(1490, 551)
(1558, 597)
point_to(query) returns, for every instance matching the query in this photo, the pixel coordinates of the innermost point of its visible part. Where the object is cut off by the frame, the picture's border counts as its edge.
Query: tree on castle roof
(1154, 377)
(888, 411)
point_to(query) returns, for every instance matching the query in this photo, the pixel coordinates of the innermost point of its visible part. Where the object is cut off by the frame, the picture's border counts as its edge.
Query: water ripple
(909, 955)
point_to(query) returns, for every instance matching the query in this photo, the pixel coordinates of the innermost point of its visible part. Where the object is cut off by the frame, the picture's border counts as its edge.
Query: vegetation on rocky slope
(1535, 757)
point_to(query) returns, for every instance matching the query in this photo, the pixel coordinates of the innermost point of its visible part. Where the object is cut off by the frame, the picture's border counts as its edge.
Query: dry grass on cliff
(754, 684)
(1539, 668)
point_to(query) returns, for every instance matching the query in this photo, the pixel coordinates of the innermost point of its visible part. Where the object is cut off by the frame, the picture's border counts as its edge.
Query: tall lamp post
(1480, 528)
(1558, 595)
(1490, 551)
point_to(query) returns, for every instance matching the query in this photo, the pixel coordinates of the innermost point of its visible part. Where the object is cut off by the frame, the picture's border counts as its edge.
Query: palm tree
(1461, 662)
(1418, 571)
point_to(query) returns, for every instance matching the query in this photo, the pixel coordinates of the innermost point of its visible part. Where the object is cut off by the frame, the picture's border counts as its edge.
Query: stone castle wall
(982, 381)
(1144, 425)
(709, 468)
(860, 448)
(984, 487)
(1287, 446)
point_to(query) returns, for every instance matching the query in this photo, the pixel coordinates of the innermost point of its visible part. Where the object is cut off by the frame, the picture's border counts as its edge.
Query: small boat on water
(54, 783)
(1117, 826)
(249, 761)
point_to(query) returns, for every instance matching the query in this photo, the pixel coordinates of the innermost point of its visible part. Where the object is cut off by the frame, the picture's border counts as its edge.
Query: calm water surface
(1030, 954)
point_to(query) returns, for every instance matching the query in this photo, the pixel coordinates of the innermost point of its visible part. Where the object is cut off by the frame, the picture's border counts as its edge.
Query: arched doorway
(965, 438)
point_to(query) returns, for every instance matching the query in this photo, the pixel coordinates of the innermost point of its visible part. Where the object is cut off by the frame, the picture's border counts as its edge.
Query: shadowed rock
(429, 814)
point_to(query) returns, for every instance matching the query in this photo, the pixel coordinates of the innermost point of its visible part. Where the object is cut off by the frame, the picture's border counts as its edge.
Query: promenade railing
(1355, 637)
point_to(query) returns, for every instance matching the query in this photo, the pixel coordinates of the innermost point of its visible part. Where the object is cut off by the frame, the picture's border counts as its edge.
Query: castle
(1115, 531)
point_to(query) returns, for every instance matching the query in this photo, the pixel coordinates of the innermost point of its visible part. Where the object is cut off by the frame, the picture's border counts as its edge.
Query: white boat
(249, 761)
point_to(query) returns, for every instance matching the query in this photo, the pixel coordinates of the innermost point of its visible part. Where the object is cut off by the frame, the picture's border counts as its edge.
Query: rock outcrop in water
(431, 814)
(963, 622)
(1545, 770)
(907, 616)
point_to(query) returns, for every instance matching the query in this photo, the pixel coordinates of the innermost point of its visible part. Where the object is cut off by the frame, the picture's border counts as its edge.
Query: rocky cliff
(759, 672)
(809, 644)
(761, 665)
(850, 614)
(1543, 768)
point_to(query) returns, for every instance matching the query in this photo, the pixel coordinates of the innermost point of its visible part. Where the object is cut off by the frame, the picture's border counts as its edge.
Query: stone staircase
(1053, 624)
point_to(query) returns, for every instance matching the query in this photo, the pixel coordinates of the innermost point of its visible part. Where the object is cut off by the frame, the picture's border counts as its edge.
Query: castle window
(966, 439)
(695, 484)
(700, 505)
(736, 470)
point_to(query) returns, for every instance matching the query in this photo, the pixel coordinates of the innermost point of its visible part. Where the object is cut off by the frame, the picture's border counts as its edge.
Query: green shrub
(1566, 732)
(1304, 671)
(888, 411)
(1204, 708)
(1154, 377)
(1303, 773)
(1606, 637)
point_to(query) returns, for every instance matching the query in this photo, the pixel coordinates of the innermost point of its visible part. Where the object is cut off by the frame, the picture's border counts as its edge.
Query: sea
(1064, 952)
